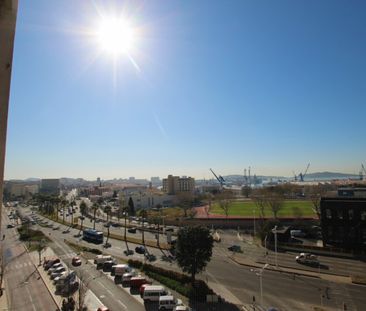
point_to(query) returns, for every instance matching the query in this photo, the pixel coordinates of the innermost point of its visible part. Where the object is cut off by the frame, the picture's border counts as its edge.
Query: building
(343, 219)
(50, 186)
(176, 184)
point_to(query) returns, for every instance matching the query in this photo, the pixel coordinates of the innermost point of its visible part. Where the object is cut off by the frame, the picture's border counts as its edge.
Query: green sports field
(291, 208)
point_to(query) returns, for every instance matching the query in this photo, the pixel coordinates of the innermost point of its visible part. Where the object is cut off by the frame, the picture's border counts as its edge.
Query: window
(328, 213)
(350, 214)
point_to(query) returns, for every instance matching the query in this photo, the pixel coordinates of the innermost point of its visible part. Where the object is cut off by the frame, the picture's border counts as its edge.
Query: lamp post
(254, 223)
(274, 230)
(260, 274)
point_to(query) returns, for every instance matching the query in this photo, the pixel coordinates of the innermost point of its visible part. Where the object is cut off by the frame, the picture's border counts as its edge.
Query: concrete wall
(8, 14)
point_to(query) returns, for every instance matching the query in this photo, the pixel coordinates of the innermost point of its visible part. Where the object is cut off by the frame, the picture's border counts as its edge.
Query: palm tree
(63, 205)
(143, 215)
(108, 210)
(72, 204)
(83, 208)
(81, 226)
(95, 207)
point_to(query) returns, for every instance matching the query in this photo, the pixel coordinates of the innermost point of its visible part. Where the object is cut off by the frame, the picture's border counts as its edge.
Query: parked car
(57, 272)
(76, 261)
(102, 308)
(49, 262)
(140, 250)
(182, 308)
(60, 276)
(10, 226)
(168, 302)
(54, 267)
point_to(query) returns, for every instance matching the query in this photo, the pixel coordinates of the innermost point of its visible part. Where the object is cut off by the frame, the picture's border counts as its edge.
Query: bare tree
(275, 202)
(260, 200)
(315, 194)
(225, 199)
(185, 201)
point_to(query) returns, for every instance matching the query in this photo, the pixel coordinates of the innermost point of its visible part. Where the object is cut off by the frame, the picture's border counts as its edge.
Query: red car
(76, 261)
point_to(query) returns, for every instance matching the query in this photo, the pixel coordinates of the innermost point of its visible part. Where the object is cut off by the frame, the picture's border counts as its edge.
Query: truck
(120, 269)
(101, 259)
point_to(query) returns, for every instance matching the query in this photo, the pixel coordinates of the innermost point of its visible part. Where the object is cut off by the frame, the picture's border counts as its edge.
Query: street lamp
(260, 274)
(274, 230)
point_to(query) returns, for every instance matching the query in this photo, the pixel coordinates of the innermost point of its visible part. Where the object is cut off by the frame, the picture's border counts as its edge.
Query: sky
(273, 85)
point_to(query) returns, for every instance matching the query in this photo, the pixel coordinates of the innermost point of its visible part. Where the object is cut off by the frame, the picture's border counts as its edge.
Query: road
(21, 276)
(239, 284)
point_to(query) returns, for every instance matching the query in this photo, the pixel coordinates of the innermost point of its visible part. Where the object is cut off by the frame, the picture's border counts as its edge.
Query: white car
(57, 272)
(57, 278)
(182, 308)
(307, 258)
(54, 267)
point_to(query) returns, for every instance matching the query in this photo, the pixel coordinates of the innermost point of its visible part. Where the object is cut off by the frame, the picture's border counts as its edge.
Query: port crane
(302, 175)
(219, 178)
(362, 171)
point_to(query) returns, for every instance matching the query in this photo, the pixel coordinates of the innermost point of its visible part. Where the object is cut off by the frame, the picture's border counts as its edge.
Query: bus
(93, 236)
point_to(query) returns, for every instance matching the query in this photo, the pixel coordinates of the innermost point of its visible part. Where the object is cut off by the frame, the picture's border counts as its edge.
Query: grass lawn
(291, 208)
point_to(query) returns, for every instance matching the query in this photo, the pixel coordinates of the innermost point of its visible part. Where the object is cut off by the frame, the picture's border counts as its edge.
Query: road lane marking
(122, 304)
(110, 293)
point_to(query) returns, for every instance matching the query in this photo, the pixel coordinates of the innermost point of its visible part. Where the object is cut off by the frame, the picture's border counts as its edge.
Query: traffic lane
(104, 289)
(112, 295)
(276, 286)
(328, 264)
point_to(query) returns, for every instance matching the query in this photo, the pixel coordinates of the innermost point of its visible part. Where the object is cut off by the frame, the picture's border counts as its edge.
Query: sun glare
(115, 36)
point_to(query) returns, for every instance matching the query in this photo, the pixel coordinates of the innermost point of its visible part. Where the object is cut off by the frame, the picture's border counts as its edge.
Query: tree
(143, 214)
(131, 207)
(225, 199)
(63, 205)
(95, 207)
(260, 200)
(193, 249)
(83, 208)
(185, 200)
(275, 202)
(316, 193)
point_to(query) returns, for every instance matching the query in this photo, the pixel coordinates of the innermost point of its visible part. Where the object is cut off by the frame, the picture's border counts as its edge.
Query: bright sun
(115, 36)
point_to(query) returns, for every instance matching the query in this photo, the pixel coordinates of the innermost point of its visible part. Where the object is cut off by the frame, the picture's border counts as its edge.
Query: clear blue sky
(222, 84)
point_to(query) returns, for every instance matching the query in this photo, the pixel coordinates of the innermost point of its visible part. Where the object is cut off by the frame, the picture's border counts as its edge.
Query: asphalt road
(240, 284)
(23, 285)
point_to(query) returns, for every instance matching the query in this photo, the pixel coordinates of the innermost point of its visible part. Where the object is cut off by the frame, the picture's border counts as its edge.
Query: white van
(168, 302)
(153, 293)
(100, 259)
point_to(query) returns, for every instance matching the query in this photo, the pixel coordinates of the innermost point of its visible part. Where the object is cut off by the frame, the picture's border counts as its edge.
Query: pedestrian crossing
(18, 266)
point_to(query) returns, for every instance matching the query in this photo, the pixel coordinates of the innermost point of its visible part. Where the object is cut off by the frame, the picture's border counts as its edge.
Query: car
(49, 263)
(132, 230)
(57, 278)
(307, 258)
(102, 308)
(76, 261)
(128, 252)
(140, 250)
(182, 308)
(57, 272)
(169, 229)
(54, 267)
(116, 224)
(234, 248)
(10, 226)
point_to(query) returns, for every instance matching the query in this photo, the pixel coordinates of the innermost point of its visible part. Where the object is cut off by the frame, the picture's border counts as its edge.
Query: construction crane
(219, 178)
(362, 171)
(301, 175)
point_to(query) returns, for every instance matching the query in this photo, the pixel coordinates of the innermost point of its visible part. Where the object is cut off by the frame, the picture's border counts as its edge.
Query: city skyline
(194, 85)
